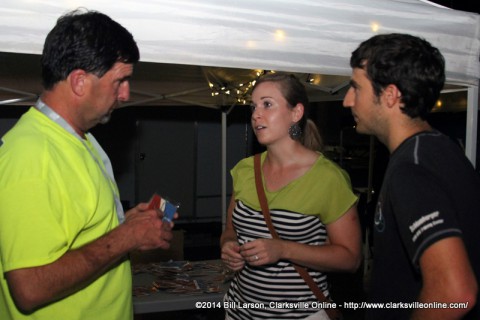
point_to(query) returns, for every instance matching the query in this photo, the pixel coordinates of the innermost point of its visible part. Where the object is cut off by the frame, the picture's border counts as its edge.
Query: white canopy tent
(301, 36)
(307, 36)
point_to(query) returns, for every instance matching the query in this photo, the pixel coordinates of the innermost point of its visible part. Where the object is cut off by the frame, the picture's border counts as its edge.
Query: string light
(280, 35)
(375, 26)
(439, 104)
(239, 93)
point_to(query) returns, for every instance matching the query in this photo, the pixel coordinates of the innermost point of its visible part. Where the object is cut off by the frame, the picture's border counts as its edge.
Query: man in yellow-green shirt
(64, 238)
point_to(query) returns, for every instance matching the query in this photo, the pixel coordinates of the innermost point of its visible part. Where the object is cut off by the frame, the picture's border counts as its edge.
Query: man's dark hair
(86, 40)
(410, 63)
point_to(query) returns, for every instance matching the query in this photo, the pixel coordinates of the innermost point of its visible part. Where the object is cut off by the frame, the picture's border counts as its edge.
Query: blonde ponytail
(311, 137)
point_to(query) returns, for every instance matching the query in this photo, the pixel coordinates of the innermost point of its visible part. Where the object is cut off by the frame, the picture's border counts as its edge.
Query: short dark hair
(410, 63)
(86, 40)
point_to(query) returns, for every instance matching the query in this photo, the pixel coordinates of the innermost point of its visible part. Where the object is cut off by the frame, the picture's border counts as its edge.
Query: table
(166, 300)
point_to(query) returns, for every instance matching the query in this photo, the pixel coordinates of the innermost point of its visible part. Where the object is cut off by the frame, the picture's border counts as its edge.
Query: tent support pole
(472, 122)
(225, 112)
(224, 169)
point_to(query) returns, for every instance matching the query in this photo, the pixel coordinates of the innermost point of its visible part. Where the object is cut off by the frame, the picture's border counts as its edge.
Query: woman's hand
(262, 251)
(231, 256)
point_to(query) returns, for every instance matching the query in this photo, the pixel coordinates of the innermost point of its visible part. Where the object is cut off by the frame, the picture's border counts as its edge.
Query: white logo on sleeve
(424, 223)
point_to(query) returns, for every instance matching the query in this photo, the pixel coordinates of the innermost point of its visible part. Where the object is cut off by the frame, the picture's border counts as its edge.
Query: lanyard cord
(107, 166)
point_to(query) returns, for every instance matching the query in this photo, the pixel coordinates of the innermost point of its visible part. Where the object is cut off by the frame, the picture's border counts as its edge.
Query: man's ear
(77, 80)
(392, 95)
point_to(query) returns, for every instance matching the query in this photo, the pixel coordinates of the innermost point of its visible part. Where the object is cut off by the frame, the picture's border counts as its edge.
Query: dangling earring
(295, 131)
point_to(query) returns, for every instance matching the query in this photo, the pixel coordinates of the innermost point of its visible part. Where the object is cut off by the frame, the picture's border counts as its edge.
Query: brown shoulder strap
(332, 313)
(261, 194)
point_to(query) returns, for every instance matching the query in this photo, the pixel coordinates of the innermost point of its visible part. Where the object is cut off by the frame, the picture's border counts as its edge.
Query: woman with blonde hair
(311, 204)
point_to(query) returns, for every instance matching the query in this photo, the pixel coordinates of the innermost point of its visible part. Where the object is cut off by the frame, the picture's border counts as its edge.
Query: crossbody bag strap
(261, 195)
(332, 313)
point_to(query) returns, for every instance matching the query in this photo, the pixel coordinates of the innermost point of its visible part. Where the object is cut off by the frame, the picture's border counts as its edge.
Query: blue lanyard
(106, 168)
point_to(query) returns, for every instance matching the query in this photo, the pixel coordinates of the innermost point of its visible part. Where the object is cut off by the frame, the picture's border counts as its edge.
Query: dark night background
(471, 6)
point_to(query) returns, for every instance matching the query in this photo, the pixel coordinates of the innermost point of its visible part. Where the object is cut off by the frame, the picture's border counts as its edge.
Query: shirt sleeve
(31, 235)
(422, 209)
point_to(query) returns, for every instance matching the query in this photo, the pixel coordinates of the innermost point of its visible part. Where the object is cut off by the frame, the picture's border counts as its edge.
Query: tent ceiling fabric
(161, 84)
(306, 36)
(172, 84)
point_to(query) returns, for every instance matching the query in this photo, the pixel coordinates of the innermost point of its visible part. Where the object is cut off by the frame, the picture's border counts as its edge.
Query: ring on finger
(255, 257)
